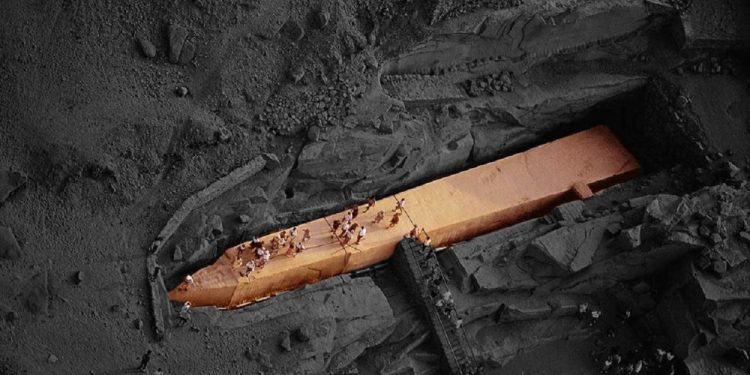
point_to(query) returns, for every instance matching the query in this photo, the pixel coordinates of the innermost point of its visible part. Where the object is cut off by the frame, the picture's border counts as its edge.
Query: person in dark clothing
(370, 204)
(334, 227)
(144, 361)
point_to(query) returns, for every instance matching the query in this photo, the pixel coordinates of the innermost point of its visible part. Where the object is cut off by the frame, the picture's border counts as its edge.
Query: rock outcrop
(324, 326)
(9, 248)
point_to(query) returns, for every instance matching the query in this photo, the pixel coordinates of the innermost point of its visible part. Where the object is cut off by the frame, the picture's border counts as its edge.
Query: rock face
(338, 319)
(527, 281)
(708, 365)
(366, 161)
(720, 24)
(10, 182)
(9, 248)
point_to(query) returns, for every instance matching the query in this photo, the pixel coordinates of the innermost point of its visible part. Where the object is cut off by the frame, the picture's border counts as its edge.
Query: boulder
(187, 54)
(35, 293)
(571, 248)
(285, 343)
(322, 17)
(215, 226)
(257, 195)
(9, 248)
(303, 333)
(177, 255)
(571, 211)
(293, 30)
(629, 239)
(147, 48)
(177, 36)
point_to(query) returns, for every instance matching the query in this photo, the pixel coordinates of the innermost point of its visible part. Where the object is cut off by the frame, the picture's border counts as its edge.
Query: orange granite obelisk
(450, 209)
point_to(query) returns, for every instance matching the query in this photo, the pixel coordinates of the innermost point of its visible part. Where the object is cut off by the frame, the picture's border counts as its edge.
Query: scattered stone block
(303, 334)
(285, 343)
(147, 48)
(571, 211)
(719, 266)
(35, 294)
(178, 255)
(258, 195)
(322, 18)
(187, 54)
(177, 36)
(216, 226)
(572, 247)
(629, 239)
(614, 229)
(272, 161)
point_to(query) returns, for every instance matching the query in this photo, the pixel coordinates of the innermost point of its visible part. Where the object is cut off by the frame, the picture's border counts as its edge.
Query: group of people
(294, 243)
(636, 361)
(584, 312)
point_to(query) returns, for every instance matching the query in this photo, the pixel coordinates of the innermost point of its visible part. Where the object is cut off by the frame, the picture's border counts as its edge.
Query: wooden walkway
(450, 209)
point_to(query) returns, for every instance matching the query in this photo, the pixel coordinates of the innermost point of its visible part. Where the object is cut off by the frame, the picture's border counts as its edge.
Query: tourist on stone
(249, 267)
(306, 234)
(400, 205)
(379, 217)
(348, 217)
(355, 211)
(427, 242)
(275, 245)
(394, 220)
(293, 233)
(361, 235)
(370, 203)
(300, 247)
(189, 280)
(240, 250)
(291, 251)
(414, 232)
(347, 236)
(336, 224)
(345, 227)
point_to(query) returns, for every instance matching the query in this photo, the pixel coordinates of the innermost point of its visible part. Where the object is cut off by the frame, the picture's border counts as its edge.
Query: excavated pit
(641, 119)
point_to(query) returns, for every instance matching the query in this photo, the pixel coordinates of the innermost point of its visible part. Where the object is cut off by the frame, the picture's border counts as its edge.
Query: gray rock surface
(9, 248)
(10, 182)
(572, 248)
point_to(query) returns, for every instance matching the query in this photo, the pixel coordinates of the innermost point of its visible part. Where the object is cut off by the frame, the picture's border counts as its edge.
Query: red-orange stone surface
(451, 209)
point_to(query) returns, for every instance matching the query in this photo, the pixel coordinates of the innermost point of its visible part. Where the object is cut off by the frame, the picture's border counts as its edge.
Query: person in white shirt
(361, 234)
(400, 205)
